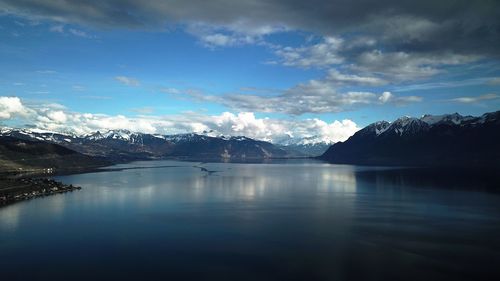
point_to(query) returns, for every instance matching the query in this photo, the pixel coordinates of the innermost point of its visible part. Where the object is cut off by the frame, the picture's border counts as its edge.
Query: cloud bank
(54, 117)
(410, 25)
(314, 96)
(364, 44)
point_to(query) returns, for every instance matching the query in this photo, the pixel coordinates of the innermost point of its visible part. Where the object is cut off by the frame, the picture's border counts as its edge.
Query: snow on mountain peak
(118, 134)
(454, 118)
(381, 127)
(289, 139)
(5, 130)
(94, 136)
(407, 125)
(378, 128)
(111, 134)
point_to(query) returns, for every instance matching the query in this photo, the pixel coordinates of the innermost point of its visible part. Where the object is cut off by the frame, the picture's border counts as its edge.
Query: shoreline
(13, 190)
(16, 186)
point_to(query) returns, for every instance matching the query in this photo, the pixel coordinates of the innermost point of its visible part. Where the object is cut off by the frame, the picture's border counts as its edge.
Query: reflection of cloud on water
(228, 187)
(9, 217)
(255, 187)
(337, 180)
(250, 182)
(57, 204)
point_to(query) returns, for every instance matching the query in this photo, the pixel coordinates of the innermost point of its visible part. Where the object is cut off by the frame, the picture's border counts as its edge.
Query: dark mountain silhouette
(446, 140)
(18, 155)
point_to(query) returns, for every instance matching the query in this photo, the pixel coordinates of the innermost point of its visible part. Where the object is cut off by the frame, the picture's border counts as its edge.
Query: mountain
(444, 140)
(123, 145)
(305, 150)
(303, 147)
(115, 145)
(202, 146)
(20, 155)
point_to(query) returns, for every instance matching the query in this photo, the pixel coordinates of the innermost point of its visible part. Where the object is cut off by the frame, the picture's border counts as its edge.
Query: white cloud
(235, 34)
(475, 99)
(445, 84)
(402, 66)
(388, 97)
(11, 107)
(223, 40)
(338, 78)
(324, 53)
(363, 56)
(275, 130)
(314, 96)
(385, 97)
(60, 28)
(129, 81)
(55, 117)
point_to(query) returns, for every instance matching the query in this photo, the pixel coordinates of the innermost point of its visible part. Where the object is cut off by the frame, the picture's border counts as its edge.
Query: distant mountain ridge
(21, 155)
(450, 139)
(307, 146)
(306, 150)
(123, 145)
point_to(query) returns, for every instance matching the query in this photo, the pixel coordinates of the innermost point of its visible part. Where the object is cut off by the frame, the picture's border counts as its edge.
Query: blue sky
(290, 72)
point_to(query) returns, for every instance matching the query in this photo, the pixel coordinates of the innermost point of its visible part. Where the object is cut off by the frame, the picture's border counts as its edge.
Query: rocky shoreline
(18, 189)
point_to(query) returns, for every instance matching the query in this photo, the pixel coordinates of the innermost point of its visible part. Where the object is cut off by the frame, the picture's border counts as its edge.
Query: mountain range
(443, 140)
(35, 156)
(431, 140)
(122, 145)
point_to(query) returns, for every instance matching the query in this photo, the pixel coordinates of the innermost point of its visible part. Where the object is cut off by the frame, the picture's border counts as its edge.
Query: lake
(290, 220)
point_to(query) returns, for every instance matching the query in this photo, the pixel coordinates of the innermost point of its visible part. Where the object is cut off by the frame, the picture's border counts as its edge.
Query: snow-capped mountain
(406, 126)
(123, 135)
(94, 136)
(37, 134)
(306, 150)
(300, 147)
(123, 145)
(374, 129)
(402, 127)
(189, 137)
(450, 139)
(309, 140)
(454, 118)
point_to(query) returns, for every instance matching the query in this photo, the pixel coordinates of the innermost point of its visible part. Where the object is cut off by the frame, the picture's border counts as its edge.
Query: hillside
(18, 155)
(123, 145)
(446, 140)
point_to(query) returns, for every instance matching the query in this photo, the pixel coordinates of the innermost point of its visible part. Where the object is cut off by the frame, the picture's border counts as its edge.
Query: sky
(271, 70)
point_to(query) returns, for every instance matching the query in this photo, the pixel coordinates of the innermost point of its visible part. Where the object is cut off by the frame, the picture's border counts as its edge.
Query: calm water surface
(284, 221)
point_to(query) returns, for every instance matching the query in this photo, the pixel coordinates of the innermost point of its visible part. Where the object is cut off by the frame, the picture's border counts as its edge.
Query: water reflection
(459, 178)
(305, 220)
(339, 181)
(9, 217)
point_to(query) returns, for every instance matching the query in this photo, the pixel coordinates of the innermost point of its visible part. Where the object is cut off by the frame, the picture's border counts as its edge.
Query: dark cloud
(461, 26)
(365, 42)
